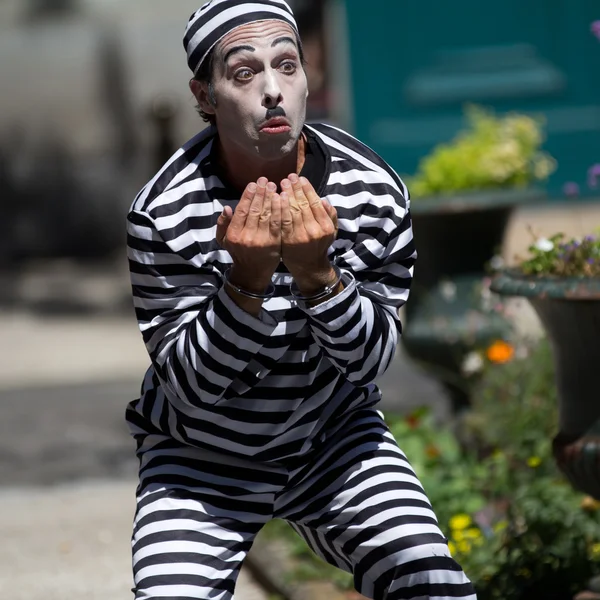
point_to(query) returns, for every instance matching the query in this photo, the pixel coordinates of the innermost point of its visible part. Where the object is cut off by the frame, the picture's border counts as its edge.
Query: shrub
(491, 153)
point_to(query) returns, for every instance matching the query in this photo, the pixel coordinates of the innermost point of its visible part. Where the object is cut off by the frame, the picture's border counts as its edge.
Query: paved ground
(72, 542)
(71, 357)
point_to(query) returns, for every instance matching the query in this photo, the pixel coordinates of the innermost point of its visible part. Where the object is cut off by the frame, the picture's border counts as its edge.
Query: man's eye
(288, 67)
(244, 75)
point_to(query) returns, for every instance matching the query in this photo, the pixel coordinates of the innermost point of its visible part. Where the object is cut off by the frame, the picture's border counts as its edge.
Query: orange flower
(500, 352)
(432, 451)
(413, 421)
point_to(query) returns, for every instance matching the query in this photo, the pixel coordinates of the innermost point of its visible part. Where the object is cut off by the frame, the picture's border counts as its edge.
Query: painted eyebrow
(283, 40)
(237, 49)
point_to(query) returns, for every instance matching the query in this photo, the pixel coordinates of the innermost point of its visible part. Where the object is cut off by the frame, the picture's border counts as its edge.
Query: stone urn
(456, 237)
(569, 310)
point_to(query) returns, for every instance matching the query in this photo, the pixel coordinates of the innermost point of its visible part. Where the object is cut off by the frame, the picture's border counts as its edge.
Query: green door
(414, 64)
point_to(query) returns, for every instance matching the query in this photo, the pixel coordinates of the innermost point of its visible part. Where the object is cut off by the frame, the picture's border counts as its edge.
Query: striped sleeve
(359, 328)
(199, 340)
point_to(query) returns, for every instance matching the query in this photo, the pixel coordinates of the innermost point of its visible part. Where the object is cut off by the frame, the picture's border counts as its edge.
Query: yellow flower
(534, 461)
(500, 352)
(464, 547)
(457, 535)
(595, 551)
(590, 504)
(500, 526)
(452, 548)
(472, 533)
(460, 521)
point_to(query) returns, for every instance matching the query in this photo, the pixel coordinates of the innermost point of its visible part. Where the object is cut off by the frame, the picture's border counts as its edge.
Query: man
(269, 260)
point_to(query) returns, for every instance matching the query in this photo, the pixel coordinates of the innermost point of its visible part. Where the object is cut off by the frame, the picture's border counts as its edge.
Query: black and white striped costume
(243, 419)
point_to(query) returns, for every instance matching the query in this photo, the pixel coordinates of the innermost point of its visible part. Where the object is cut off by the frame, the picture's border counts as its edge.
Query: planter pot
(456, 237)
(569, 309)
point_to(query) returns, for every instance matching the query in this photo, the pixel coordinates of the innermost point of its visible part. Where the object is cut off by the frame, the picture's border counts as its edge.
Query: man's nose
(272, 96)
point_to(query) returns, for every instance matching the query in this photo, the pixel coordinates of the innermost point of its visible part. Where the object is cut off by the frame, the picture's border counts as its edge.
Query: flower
(576, 257)
(544, 245)
(534, 462)
(500, 352)
(571, 189)
(500, 526)
(473, 533)
(432, 451)
(595, 551)
(413, 420)
(596, 29)
(448, 290)
(460, 521)
(522, 352)
(590, 504)
(452, 548)
(497, 262)
(464, 547)
(594, 175)
(471, 364)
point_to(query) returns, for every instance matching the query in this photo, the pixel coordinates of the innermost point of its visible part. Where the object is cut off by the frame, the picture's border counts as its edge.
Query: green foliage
(491, 153)
(537, 541)
(560, 257)
(513, 522)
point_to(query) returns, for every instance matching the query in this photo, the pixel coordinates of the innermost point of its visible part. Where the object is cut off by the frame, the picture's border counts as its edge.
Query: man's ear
(201, 92)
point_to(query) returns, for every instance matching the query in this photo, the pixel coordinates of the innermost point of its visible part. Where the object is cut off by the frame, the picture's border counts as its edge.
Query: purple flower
(593, 175)
(590, 261)
(596, 29)
(571, 189)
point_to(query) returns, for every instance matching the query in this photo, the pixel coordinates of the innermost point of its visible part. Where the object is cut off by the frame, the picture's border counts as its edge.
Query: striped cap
(218, 17)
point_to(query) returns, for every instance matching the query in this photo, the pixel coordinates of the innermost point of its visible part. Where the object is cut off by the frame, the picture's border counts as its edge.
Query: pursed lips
(277, 125)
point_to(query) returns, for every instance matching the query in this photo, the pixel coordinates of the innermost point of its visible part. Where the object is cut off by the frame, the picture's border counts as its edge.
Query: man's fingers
(297, 208)
(256, 206)
(331, 213)
(265, 217)
(298, 192)
(287, 222)
(243, 208)
(275, 220)
(223, 223)
(316, 205)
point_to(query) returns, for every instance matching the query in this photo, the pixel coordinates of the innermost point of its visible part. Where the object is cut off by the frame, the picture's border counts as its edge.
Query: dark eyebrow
(283, 40)
(237, 49)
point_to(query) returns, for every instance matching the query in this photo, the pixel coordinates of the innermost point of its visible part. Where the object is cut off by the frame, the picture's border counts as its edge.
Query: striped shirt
(268, 387)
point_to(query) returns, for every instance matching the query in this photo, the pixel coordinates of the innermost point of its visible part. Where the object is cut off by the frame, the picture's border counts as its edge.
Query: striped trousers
(356, 501)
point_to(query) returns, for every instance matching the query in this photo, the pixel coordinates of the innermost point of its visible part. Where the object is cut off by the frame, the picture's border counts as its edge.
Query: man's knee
(397, 571)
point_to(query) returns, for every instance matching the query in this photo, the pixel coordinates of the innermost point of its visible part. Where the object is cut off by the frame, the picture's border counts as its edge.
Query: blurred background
(94, 98)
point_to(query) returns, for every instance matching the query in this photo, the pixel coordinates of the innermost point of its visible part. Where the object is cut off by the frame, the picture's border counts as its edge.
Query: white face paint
(260, 88)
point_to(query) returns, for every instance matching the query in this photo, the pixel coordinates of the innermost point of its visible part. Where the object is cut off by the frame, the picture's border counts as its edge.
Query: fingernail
(303, 181)
(284, 196)
(271, 187)
(293, 178)
(285, 183)
(262, 182)
(252, 188)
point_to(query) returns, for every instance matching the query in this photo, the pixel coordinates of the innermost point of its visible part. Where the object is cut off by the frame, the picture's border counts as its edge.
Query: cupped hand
(252, 235)
(308, 228)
